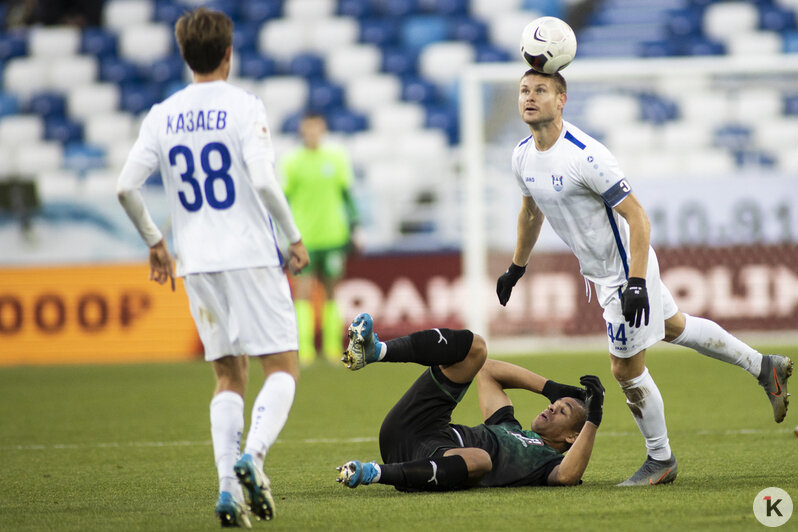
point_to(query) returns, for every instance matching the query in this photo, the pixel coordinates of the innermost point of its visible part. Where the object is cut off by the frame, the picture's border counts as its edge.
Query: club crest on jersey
(556, 182)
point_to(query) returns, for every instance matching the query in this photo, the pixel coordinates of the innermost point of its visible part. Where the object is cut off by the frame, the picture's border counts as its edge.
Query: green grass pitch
(128, 448)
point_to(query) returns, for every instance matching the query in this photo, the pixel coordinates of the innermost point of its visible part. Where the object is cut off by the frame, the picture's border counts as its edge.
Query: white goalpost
(659, 153)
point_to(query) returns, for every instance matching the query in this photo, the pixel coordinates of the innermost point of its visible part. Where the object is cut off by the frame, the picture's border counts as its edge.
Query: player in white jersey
(212, 144)
(575, 182)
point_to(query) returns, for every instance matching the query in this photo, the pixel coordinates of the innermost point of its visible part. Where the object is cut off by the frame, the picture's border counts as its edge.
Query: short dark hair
(204, 36)
(559, 81)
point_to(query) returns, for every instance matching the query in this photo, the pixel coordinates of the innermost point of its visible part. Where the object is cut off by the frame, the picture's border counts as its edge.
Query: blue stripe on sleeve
(524, 141)
(578, 143)
(618, 242)
(616, 193)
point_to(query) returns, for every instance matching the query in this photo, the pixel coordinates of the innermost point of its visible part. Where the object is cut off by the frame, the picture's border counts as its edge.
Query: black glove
(634, 302)
(505, 284)
(554, 390)
(594, 398)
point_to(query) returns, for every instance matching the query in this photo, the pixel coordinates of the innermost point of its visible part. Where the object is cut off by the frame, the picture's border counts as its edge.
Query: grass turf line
(128, 448)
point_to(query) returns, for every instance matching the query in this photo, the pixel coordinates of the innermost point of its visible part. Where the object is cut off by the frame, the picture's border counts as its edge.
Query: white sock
(227, 425)
(710, 339)
(648, 409)
(269, 414)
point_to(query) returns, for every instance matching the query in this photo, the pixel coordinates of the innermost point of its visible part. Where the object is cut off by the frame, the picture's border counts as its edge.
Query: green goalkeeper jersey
(520, 458)
(316, 184)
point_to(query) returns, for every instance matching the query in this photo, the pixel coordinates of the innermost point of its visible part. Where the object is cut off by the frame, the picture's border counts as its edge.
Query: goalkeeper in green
(422, 450)
(317, 178)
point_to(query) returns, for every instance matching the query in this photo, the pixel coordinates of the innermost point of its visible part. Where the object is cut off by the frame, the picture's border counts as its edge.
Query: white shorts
(243, 312)
(626, 341)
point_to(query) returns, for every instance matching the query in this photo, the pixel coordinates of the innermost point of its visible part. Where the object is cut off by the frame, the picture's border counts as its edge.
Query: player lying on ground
(423, 451)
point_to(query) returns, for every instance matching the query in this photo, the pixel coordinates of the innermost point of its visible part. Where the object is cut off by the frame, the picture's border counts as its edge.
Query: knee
(479, 465)
(478, 352)
(674, 326)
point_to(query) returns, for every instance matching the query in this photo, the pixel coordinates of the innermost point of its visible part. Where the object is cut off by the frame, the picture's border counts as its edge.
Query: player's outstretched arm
(530, 220)
(569, 472)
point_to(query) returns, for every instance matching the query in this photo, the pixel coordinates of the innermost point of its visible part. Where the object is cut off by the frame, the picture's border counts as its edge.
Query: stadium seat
(282, 96)
(488, 53)
(397, 117)
(724, 21)
(19, 130)
(98, 42)
(47, 104)
(283, 38)
(12, 44)
(505, 28)
(71, 71)
(231, 8)
(305, 9)
(399, 61)
(253, 65)
(138, 97)
(353, 61)
(419, 31)
(62, 129)
(119, 14)
(327, 34)
(370, 92)
(324, 96)
(443, 62)
(428, 147)
(118, 70)
(616, 109)
(57, 185)
(307, 65)
(85, 101)
(776, 133)
(164, 70)
(359, 9)
(487, 9)
(53, 41)
(342, 120)
(167, 12)
(767, 102)
(631, 138)
(776, 18)
(755, 43)
(36, 157)
(9, 104)
(732, 136)
(704, 106)
(24, 76)
(446, 119)
(145, 43)
(259, 11)
(396, 8)
(682, 135)
(380, 31)
(709, 163)
(417, 90)
(245, 36)
(108, 128)
(464, 28)
(444, 7)
(80, 157)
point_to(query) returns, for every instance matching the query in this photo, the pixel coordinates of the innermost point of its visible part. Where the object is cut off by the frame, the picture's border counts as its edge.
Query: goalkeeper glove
(594, 398)
(634, 302)
(554, 390)
(506, 282)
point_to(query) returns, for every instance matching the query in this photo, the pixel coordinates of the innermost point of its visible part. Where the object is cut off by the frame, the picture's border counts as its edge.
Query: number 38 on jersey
(211, 183)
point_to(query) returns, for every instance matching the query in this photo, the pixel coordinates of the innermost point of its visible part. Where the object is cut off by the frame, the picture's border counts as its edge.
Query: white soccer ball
(548, 44)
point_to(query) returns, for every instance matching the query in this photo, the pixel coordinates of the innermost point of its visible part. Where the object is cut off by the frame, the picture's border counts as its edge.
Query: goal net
(710, 146)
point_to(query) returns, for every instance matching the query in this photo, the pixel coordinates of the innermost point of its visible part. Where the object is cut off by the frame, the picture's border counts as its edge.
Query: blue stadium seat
(257, 66)
(775, 18)
(81, 158)
(732, 136)
(702, 46)
(657, 109)
(291, 122)
(418, 90)
(9, 104)
(419, 31)
(685, 22)
(172, 87)
(306, 65)
(138, 97)
(98, 42)
(47, 104)
(62, 129)
(168, 12)
(396, 8)
(259, 11)
(488, 53)
(355, 8)
(444, 117)
(756, 158)
(118, 70)
(399, 61)
(229, 7)
(663, 48)
(343, 120)
(12, 44)
(552, 8)
(245, 35)
(379, 31)
(790, 42)
(324, 96)
(163, 70)
(444, 7)
(791, 104)
(467, 29)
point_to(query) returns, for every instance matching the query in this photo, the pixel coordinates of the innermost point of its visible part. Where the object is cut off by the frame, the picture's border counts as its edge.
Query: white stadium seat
(72, 71)
(283, 38)
(755, 105)
(88, 100)
(371, 92)
(397, 117)
(487, 9)
(36, 157)
(119, 14)
(106, 129)
(616, 109)
(328, 34)
(145, 43)
(443, 62)
(710, 107)
(358, 60)
(25, 76)
(367, 147)
(57, 184)
(505, 29)
(18, 130)
(54, 41)
(724, 21)
(305, 9)
(684, 135)
(282, 96)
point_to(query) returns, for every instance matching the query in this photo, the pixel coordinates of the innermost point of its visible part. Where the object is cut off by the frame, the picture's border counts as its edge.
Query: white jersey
(204, 138)
(576, 183)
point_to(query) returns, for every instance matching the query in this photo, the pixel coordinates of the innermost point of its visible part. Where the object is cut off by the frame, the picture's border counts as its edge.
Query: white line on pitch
(334, 441)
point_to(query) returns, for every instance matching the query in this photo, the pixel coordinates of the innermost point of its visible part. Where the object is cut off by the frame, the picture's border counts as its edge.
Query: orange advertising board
(86, 314)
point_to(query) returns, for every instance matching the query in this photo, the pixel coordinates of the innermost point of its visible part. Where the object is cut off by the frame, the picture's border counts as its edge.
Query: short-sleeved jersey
(314, 182)
(576, 183)
(520, 458)
(204, 138)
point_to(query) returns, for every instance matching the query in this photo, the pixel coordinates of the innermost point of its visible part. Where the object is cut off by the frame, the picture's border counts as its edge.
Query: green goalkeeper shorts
(327, 263)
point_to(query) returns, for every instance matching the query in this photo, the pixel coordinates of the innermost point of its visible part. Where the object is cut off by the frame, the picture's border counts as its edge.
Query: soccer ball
(548, 44)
